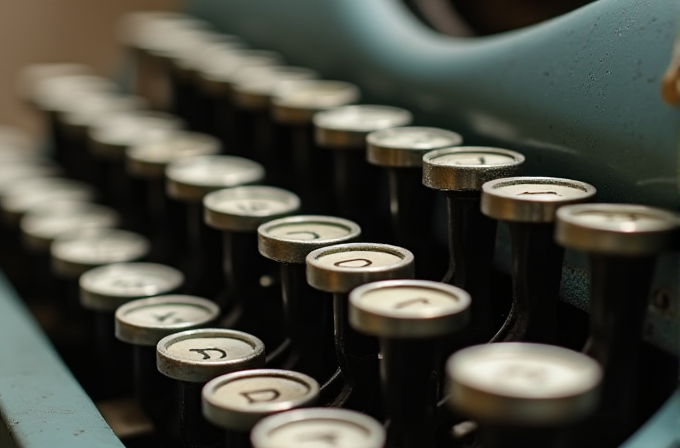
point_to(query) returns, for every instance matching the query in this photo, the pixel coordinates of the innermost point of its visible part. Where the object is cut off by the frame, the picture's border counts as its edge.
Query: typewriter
(328, 224)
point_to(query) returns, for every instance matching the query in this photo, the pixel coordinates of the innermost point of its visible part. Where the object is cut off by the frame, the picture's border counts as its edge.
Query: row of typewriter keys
(344, 323)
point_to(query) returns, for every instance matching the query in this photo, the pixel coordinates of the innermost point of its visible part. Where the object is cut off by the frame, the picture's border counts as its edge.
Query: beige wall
(58, 30)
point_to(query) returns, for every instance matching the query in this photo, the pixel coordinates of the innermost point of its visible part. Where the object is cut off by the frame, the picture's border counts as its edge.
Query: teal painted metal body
(41, 404)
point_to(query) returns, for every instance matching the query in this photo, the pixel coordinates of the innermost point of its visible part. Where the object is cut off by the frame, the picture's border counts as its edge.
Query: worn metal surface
(41, 404)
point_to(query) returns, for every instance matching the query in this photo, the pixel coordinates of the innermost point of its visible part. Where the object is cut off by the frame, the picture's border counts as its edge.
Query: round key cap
(318, 427)
(343, 267)
(237, 401)
(76, 252)
(200, 355)
(253, 87)
(529, 205)
(147, 321)
(523, 384)
(191, 179)
(42, 224)
(150, 159)
(14, 170)
(114, 133)
(467, 168)
(217, 73)
(531, 199)
(32, 75)
(405, 146)
(408, 309)
(26, 194)
(297, 102)
(55, 94)
(347, 126)
(289, 240)
(105, 288)
(622, 242)
(86, 110)
(617, 229)
(243, 209)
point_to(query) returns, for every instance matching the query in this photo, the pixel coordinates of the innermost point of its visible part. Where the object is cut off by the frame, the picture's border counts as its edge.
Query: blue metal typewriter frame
(579, 95)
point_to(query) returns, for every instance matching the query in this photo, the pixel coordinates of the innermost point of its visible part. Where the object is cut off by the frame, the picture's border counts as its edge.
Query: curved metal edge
(41, 404)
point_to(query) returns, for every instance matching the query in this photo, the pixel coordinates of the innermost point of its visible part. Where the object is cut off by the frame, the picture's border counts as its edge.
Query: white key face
(473, 159)
(531, 374)
(316, 94)
(319, 433)
(215, 171)
(169, 315)
(134, 284)
(102, 248)
(259, 394)
(415, 138)
(27, 194)
(358, 259)
(50, 225)
(362, 118)
(633, 221)
(210, 349)
(309, 231)
(543, 192)
(130, 129)
(410, 302)
(177, 146)
(253, 207)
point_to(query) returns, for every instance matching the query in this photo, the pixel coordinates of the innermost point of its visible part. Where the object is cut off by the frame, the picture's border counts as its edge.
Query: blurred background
(82, 31)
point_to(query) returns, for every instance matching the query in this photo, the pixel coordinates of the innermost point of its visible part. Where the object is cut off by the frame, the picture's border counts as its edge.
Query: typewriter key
(237, 401)
(53, 97)
(147, 162)
(192, 358)
(622, 242)
(33, 75)
(293, 106)
(82, 113)
(522, 394)
(74, 253)
(400, 151)
(13, 170)
(25, 194)
(216, 77)
(339, 269)
(108, 287)
(409, 317)
(357, 183)
(307, 316)
(109, 138)
(45, 222)
(188, 100)
(316, 427)
(102, 291)
(250, 297)
(149, 36)
(264, 139)
(191, 179)
(143, 323)
(460, 173)
(529, 204)
(188, 181)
